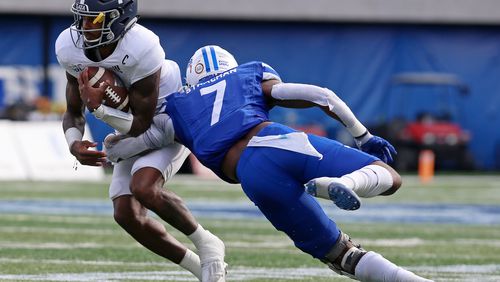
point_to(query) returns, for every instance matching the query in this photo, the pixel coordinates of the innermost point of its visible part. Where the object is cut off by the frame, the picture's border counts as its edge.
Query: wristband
(361, 140)
(357, 130)
(98, 112)
(72, 134)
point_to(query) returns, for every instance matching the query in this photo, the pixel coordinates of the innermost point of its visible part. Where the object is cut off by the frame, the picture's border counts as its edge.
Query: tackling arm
(304, 95)
(296, 95)
(160, 134)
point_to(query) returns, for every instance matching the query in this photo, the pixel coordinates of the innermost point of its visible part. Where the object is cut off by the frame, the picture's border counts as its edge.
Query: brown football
(115, 95)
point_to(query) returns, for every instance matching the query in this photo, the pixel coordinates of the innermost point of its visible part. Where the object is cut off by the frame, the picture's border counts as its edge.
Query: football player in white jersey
(105, 34)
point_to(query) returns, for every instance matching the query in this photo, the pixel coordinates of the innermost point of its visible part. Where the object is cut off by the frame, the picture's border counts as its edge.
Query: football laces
(112, 95)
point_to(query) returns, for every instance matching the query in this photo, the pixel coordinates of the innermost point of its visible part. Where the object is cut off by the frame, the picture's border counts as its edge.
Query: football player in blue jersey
(222, 116)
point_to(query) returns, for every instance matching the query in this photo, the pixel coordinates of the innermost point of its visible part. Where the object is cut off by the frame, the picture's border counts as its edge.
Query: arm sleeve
(322, 97)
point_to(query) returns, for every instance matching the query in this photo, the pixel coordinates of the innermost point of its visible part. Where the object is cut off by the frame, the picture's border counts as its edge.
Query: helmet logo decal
(199, 68)
(214, 58)
(205, 58)
(81, 6)
(99, 18)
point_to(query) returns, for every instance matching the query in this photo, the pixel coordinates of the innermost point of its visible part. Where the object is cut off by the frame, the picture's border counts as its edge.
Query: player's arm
(74, 127)
(294, 95)
(143, 96)
(160, 134)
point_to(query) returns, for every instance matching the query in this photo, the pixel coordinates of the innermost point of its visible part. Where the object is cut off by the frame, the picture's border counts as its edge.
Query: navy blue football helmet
(116, 16)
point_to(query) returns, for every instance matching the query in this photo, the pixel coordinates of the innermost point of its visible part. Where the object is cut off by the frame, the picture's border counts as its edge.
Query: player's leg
(348, 258)
(342, 166)
(132, 217)
(147, 187)
(269, 178)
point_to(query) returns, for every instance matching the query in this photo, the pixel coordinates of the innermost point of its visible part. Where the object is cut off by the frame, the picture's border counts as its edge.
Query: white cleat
(213, 267)
(341, 196)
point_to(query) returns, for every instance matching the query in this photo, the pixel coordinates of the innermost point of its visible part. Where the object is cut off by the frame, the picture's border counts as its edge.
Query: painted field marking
(488, 273)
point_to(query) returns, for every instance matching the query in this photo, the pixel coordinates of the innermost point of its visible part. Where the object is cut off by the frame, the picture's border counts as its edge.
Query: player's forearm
(324, 98)
(73, 127)
(69, 120)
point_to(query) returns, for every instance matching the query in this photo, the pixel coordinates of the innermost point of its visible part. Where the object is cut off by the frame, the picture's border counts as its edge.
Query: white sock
(367, 182)
(197, 236)
(374, 267)
(209, 246)
(191, 262)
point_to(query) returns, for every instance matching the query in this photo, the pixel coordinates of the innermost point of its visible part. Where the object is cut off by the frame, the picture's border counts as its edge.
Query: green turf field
(36, 245)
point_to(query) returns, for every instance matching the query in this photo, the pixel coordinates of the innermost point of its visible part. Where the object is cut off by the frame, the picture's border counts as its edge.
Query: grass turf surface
(91, 247)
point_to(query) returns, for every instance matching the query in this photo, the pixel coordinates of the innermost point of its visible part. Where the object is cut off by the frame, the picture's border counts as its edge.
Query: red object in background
(312, 129)
(435, 133)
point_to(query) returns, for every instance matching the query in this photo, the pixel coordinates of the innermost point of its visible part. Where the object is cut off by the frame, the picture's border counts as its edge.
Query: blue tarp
(357, 61)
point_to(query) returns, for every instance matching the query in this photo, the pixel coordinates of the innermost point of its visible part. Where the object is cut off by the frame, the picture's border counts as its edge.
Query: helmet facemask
(114, 22)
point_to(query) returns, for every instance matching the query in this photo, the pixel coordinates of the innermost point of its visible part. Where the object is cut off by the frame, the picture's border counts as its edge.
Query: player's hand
(91, 96)
(377, 146)
(85, 155)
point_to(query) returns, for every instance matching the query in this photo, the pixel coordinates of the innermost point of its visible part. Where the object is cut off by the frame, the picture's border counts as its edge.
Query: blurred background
(423, 74)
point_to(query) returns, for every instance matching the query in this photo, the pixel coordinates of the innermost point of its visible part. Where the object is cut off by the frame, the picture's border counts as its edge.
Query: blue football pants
(274, 180)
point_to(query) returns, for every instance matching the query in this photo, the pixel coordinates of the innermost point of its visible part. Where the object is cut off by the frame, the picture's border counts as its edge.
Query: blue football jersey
(213, 115)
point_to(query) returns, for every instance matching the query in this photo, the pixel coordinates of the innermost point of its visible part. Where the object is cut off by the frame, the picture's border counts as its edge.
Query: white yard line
(166, 264)
(488, 273)
(258, 243)
(59, 230)
(61, 246)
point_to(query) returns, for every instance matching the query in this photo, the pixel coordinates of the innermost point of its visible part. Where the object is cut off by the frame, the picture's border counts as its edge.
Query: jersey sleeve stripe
(269, 73)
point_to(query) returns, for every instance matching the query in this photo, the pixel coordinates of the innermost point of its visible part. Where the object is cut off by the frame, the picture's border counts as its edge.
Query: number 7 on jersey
(219, 88)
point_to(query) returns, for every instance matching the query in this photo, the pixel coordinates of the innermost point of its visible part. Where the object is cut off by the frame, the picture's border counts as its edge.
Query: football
(115, 95)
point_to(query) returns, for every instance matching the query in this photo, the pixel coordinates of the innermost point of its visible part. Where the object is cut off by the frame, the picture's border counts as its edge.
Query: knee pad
(344, 256)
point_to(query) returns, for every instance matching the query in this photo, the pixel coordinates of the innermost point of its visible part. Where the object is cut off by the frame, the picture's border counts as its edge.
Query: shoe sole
(343, 197)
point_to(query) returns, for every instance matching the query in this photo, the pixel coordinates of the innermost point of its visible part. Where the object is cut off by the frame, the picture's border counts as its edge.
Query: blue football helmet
(207, 61)
(116, 16)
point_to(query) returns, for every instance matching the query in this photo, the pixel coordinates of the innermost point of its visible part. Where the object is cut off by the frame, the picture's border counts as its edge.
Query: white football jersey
(137, 55)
